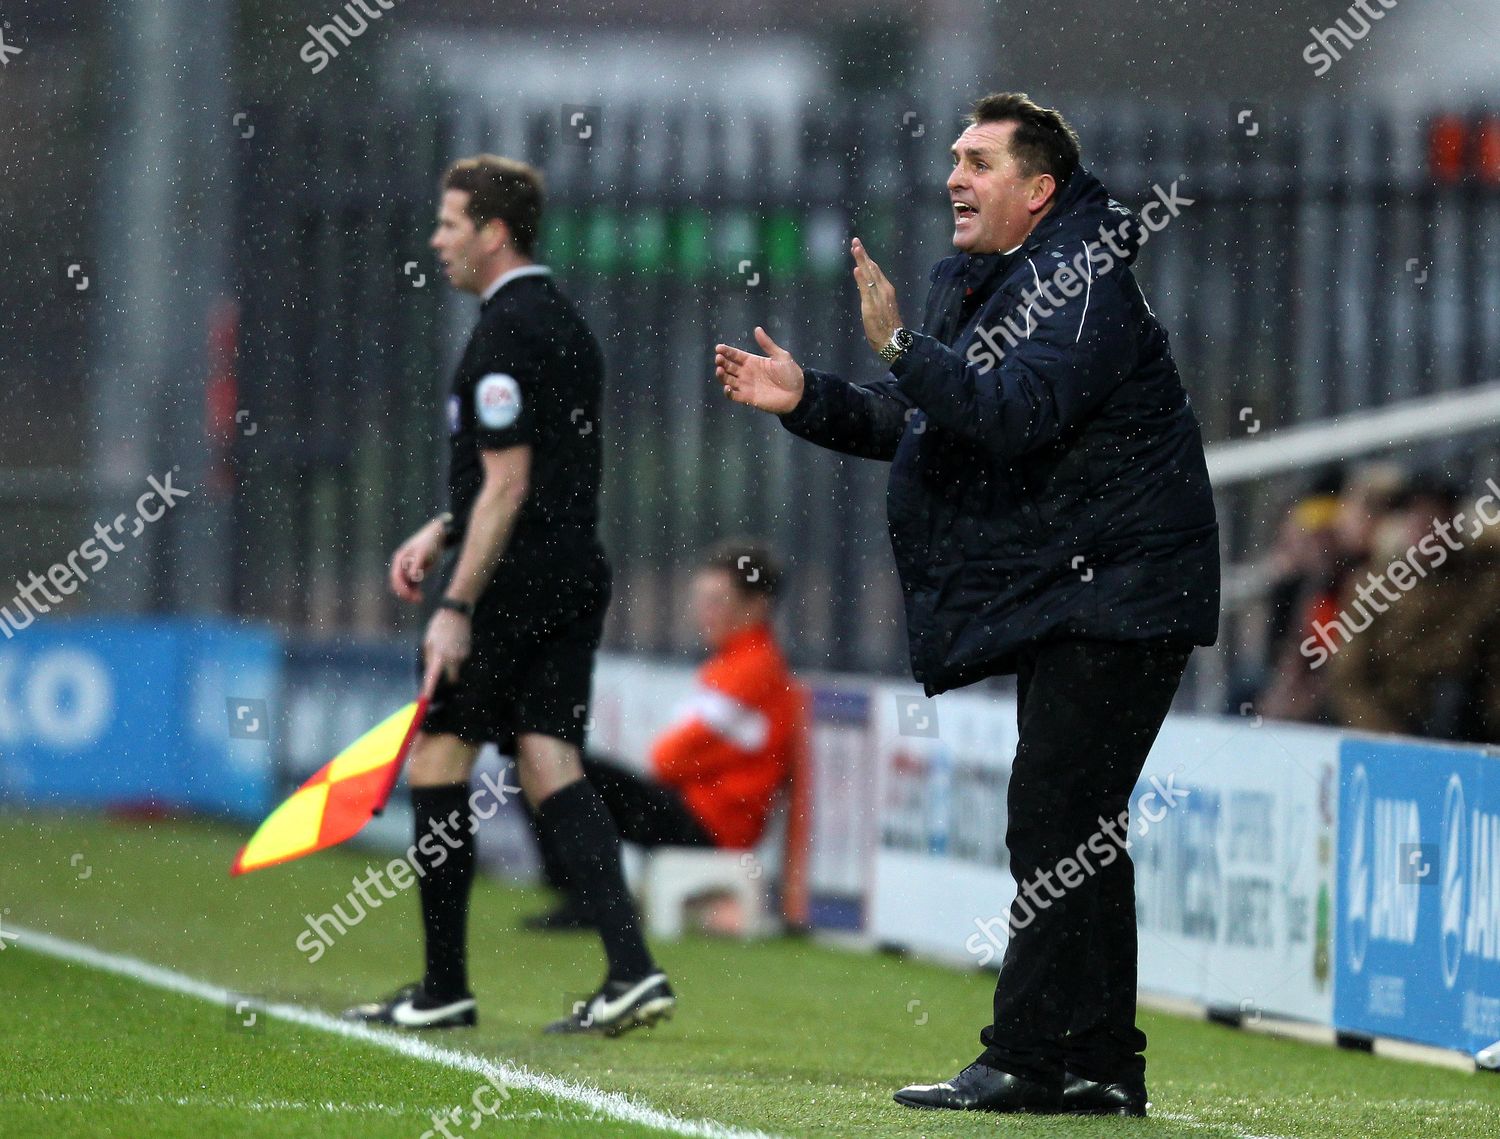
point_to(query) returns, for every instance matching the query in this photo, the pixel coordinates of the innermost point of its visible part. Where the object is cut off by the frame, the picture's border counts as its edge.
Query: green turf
(784, 1036)
(96, 1054)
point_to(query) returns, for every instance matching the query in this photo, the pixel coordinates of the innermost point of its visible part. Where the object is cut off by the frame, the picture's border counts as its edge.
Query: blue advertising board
(139, 713)
(1419, 893)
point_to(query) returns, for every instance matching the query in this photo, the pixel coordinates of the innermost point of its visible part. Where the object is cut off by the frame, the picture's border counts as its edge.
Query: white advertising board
(1232, 835)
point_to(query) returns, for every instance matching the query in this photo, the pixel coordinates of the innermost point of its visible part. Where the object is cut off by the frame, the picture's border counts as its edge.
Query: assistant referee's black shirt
(532, 373)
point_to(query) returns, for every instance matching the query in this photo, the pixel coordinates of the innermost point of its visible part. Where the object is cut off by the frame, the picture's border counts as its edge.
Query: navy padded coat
(1047, 472)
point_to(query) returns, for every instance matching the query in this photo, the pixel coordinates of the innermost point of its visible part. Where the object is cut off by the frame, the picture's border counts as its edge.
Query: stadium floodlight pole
(164, 266)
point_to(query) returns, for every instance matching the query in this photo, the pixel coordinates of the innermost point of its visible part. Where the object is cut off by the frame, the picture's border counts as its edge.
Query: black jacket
(1047, 476)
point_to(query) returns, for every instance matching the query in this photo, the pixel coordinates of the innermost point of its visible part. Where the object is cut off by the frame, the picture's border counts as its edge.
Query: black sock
(583, 834)
(554, 867)
(445, 861)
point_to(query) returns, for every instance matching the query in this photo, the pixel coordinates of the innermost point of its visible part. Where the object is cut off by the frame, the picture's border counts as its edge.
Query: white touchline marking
(611, 1105)
(229, 1103)
(1193, 1121)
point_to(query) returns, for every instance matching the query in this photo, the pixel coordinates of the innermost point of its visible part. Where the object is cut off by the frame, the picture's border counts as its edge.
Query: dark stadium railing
(1324, 265)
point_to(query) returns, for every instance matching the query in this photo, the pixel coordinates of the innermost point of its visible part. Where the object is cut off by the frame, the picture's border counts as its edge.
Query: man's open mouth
(963, 211)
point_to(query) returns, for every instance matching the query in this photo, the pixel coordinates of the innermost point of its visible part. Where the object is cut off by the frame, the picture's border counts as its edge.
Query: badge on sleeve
(497, 401)
(455, 415)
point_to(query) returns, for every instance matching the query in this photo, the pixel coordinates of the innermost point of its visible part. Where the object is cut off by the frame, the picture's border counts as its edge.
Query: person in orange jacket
(716, 769)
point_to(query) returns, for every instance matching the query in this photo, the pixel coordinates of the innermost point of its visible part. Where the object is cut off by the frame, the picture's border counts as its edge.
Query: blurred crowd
(1352, 641)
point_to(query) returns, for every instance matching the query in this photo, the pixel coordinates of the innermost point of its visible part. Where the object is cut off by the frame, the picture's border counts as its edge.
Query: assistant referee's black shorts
(531, 659)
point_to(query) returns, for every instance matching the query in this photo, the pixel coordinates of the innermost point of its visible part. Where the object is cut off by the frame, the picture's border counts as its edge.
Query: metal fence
(1321, 267)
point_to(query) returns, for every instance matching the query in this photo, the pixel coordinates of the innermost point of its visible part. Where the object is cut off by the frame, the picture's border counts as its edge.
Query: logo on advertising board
(1454, 854)
(1357, 881)
(938, 804)
(1419, 871)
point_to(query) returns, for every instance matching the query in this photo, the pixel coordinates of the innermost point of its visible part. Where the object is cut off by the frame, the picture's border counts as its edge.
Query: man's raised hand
(772, 382)
(877, 298)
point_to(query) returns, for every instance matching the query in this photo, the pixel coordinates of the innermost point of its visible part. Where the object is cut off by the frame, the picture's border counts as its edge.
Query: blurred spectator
(1428, 665)
(1302, 555)
(716, 769)
(1324, 546)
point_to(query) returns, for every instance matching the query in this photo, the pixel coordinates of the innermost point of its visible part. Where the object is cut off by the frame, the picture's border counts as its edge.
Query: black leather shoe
(982, 1088)
(1088, 1097)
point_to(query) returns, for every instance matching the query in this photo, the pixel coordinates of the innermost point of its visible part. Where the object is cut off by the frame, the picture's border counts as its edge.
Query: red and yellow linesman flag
(339, 800)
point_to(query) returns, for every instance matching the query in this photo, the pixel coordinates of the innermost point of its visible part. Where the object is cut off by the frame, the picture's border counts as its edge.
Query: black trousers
(1088, 712)
(646, 813)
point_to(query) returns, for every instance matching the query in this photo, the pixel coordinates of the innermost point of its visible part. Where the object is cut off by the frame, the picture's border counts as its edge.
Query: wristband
(456, 605)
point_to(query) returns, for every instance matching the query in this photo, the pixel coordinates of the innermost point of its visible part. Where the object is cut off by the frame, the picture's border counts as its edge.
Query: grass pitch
(786, 1037)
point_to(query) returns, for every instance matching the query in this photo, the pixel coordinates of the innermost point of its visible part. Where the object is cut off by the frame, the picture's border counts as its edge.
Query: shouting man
(1050, 516)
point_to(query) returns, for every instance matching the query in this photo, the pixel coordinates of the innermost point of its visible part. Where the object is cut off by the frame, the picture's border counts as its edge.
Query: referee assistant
(508, 654)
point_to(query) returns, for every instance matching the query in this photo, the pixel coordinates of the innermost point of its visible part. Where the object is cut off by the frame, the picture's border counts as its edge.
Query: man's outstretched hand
(772, 382)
